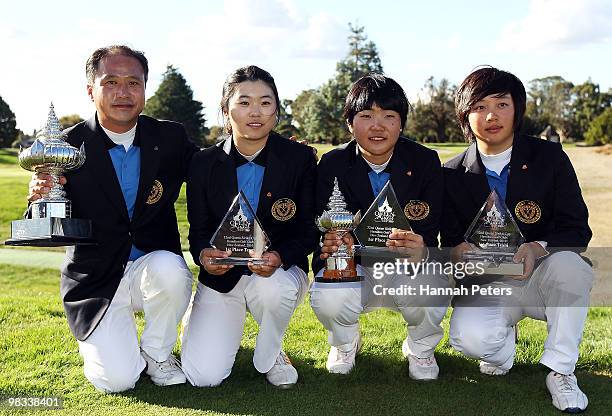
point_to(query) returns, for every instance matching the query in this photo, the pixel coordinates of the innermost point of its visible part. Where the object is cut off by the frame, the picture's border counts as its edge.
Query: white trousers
(557, 292)
(213, 329)
(339, 305)
(158, 283)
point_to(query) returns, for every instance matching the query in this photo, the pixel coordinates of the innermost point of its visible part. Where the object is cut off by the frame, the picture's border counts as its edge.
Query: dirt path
(594, 172)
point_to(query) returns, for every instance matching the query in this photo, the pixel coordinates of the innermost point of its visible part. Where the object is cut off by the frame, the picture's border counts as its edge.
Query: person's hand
(206, 260)
(331, 242)
(40, 185)
(298, 140)
(528, 253)
(457, 252)
(408, 243)
(305, 142)
(272, 262)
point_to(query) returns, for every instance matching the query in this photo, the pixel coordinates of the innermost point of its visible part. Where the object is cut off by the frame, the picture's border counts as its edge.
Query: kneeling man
(133, 172)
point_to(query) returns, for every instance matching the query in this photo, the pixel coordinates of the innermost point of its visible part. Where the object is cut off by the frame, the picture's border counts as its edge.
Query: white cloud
(49, 60)
(248, 29)
(273, 34)
(324, 37)
(38, 72)
(558, 25)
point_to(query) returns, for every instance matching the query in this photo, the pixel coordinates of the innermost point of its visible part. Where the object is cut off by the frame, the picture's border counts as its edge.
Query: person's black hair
(482, 83)
(376, 89)
(93, 62)
(246, 73)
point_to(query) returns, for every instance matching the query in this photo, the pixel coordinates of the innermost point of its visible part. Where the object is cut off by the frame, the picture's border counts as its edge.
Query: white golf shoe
(491, 370)
(422, 369)
(164, 373)
(282, 374)
(565, 393)
(341, 359)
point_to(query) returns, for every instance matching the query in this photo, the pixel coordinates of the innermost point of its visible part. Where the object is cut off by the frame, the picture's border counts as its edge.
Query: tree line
(571, 112)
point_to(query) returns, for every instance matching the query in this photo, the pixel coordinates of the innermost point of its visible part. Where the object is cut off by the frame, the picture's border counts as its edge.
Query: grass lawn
(40, 357)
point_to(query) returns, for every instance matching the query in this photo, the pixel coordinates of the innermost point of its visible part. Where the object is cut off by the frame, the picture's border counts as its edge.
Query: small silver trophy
(51, 223)
(340, 266)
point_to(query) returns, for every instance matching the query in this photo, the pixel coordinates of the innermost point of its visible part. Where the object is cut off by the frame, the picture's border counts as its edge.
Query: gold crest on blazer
(528, 212)
(416, 210)
(156, 192)
(283, 209)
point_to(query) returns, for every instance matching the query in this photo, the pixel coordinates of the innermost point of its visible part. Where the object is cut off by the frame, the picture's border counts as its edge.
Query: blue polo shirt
(378, 181)
(127, 169)
(498, 182)
(250, 175)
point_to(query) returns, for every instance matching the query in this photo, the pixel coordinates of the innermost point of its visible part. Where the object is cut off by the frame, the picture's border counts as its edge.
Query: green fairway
(14, 185)
(40, 357)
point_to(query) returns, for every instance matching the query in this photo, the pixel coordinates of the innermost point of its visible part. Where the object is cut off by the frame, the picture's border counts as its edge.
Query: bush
(600, 130)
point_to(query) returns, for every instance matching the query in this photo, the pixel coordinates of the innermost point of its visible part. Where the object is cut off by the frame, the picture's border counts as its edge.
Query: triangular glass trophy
(496, 237)
(383, 214)
(241, 233)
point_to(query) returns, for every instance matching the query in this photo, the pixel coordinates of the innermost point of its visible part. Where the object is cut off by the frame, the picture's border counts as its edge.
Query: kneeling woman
(537, 182)
(272, 172)
(376, 110)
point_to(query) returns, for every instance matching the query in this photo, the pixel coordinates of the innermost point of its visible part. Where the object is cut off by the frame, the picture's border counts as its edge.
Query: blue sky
(299, 42)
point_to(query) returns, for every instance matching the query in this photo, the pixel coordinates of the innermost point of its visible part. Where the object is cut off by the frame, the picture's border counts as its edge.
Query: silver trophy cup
(340, 266)
(50, 223)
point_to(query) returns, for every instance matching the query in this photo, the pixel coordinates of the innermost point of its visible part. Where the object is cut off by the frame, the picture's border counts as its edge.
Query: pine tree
(600, 130)
(8, 130)
(588, 102)
(70, 120)
(320, 115)
(433, 115)
(174, 101)
(285, 126)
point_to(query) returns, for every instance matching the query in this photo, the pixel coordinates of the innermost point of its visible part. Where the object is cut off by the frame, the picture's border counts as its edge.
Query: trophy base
(50, 232)
(238, 261)
(50, 209)
(339, 270)
(384, 252)
(495, 263)
(508, 269)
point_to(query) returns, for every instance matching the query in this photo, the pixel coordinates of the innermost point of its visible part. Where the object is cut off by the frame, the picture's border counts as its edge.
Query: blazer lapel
(400, 167)
(101, 166)
(225, 179)
(475, 177)
(149, 164)
(357, 181)
(519, 170)
(275, 171)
